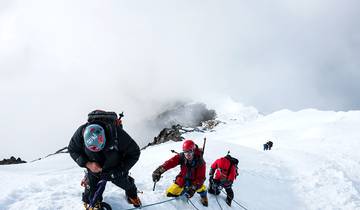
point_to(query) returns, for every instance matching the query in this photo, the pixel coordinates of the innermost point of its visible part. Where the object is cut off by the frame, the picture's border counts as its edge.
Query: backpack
(233, 162)
(104, 117)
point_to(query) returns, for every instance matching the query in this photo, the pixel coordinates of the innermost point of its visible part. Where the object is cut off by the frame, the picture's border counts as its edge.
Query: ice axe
(203, 149)
(154, 186)
(173, 151)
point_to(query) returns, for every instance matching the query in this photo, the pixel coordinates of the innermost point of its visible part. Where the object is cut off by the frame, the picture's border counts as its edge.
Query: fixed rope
(192, 204)
(216, 197)
(152, 204)
(235, 201)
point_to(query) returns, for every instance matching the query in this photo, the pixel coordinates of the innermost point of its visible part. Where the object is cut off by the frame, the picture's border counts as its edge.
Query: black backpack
(104, 117)
(233, 162)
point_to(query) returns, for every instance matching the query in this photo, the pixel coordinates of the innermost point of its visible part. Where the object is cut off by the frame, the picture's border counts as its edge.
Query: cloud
(60, 60)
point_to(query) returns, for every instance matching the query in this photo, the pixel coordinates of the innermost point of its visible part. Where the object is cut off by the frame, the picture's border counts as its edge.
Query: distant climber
(270, 144)
(266, 146)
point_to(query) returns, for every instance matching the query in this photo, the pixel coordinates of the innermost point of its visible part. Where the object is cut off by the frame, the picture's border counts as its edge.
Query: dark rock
(210, 124)
(189, 115)
(174, 133)
(168, 134)
(11, 160)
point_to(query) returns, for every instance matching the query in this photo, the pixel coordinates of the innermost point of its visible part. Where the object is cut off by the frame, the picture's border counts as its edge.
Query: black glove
(113, 175)
(211, 180)
(190, 191)
(213, 184)
(156, 175)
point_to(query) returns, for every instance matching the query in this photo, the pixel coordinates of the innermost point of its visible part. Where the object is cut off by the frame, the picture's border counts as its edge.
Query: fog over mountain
(60, 60)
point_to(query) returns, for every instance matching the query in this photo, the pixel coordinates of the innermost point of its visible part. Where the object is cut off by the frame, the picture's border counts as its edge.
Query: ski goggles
(188, 152)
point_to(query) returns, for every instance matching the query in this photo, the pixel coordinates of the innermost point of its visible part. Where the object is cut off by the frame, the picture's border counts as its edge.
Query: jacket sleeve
(131, 156)
(214, 166)
(76, 148)
(172, 162)
(131, 152)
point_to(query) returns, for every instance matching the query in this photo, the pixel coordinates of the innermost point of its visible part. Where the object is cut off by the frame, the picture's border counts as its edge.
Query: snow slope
(314, 164)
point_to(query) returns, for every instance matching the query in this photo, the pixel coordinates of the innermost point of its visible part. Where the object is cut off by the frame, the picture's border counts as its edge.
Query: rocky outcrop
(209, 125)
(189, 115)
(175, 132)
(168, 134)
(11, 160)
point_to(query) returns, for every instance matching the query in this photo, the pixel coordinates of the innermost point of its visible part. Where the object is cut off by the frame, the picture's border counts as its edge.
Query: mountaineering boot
(169, 194)
(134, 201)
(228, 200)
(204, 200)
(96, 207)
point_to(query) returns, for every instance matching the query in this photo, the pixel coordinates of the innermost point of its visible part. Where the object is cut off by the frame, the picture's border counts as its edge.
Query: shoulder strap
(182, 158)
(230, 159)
(229, 170)
(114, 134)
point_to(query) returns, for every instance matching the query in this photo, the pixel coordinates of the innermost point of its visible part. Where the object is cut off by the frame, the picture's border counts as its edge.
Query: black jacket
(120, 152)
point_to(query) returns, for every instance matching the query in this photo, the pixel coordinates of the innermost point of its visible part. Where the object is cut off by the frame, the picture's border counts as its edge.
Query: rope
(192, 204)
(235, 201)
(218, 202)
(152, 204)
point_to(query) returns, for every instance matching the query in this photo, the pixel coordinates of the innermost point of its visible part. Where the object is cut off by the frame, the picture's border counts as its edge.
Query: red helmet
(188, 145)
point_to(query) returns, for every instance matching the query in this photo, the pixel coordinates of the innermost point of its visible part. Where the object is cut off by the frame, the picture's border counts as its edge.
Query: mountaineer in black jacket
(108, 153)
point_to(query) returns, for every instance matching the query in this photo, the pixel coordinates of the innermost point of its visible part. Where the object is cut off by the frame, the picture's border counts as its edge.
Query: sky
(60, 60)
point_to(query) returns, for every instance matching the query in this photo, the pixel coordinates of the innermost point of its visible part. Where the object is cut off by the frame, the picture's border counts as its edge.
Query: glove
(213, 184)
(156, 175)
(189, 192)
(211, 180)
(211, 175)
(113, 175)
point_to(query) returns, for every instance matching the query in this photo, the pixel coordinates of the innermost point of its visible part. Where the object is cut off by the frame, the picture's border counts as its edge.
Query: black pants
(124, 182)
(215, 190)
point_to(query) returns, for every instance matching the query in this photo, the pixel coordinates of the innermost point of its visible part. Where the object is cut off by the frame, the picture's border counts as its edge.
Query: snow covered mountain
(314, 164)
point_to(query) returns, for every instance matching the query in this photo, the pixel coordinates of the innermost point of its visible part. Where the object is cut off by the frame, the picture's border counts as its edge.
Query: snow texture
(314, 164)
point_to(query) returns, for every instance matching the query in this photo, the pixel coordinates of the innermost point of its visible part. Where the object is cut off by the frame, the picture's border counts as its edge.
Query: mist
(61, 60)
